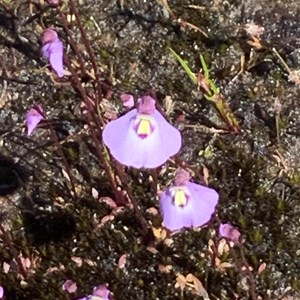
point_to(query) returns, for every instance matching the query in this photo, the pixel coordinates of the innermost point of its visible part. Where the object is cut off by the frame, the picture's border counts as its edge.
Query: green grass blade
(185, 66)
(204, 66)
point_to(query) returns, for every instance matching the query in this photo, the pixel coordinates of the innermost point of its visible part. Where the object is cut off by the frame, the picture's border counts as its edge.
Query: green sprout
(210, 91)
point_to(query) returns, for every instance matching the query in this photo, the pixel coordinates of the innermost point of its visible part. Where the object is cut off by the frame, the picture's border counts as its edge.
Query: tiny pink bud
(230, 232)
(181, 177)
(127, 100)
(49, 35)
(146, 105)
(69, 286)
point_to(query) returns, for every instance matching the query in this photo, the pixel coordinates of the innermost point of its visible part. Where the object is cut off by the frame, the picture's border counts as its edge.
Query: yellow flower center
(180, 196)
(144, 127)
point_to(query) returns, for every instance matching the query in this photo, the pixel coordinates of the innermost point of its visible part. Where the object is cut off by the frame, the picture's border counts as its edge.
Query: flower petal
(33, 118)
(56, 58)
(129, 149)
(169, 135)
(53, 51)
(203, 203)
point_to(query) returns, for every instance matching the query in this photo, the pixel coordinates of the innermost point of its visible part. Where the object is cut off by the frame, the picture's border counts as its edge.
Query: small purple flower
(187, 204)
(142, 138)
(100, 292)
(52, 49)
(230, 232)
(33, 117)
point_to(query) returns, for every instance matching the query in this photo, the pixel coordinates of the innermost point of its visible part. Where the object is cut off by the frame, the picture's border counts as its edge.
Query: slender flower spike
(33, 117)
(52, 49)
(230, 232)
(142, 138)
(99, 293)
(187, 204)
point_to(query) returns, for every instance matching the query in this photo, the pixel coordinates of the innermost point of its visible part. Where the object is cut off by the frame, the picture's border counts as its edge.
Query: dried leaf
(262, 267)
(221, 246)
(122, 261)
(169, 105)
(66, 175)
(90, 262)
(180, 281)
(255, 43)
(200, 290)
(152, 211)
(164, 268)
(159, 233)
(23, 283)
(205, 175)
(95, 193)
(190, 278)
(254, 30)
(110, 202)
(6, 267)
(152, 250)
(224, 265)
(77, 260)
(168, 242)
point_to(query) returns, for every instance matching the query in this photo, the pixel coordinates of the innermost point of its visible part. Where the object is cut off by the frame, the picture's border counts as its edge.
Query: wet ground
(256, 170)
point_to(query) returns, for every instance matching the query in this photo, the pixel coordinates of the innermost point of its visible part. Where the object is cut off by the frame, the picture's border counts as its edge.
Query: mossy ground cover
(74, 231)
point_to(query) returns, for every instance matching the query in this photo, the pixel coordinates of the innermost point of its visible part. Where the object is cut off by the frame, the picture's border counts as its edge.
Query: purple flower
(33, 117)
(99, 293)
(187, 204)
(52, 50)
(142, 138)
(229, 232)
